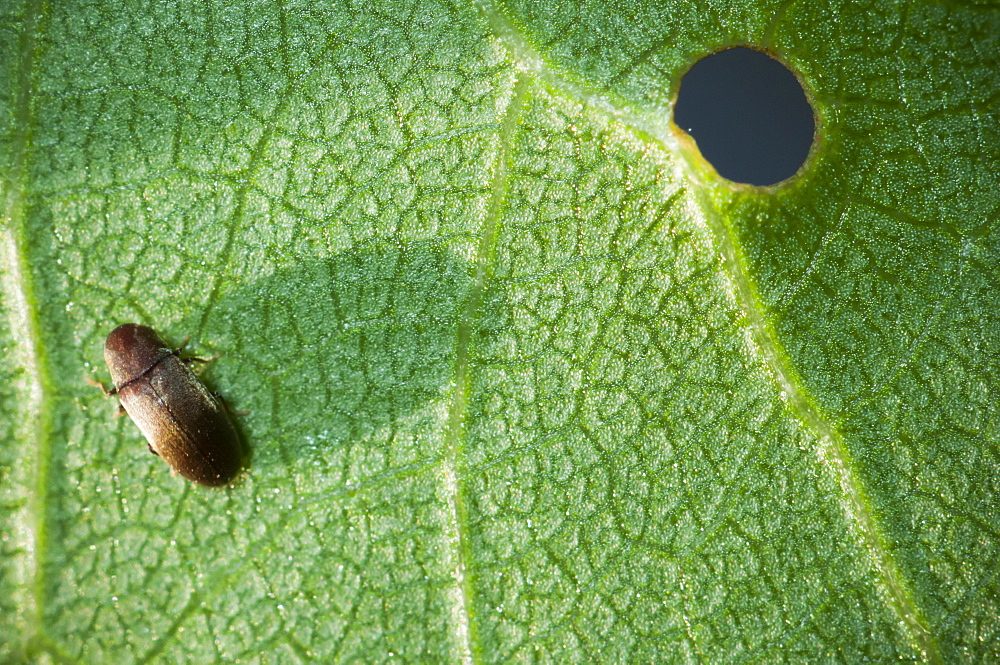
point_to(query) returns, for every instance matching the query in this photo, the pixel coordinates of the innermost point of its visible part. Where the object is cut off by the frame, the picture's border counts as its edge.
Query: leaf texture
(523, 379)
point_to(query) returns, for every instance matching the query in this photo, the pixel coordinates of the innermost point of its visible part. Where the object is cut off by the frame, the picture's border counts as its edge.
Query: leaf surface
(522, 378)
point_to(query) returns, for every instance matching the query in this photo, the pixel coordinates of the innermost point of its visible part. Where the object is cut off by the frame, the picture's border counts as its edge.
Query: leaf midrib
(25, 327)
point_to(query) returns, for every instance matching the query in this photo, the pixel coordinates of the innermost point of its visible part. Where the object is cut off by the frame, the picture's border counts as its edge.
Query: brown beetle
(184, 423)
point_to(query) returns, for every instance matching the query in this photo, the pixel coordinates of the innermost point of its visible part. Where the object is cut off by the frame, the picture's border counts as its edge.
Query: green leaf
(522, 378)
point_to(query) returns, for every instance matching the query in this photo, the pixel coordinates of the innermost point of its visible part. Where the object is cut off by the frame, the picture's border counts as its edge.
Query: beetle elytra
(183, 422)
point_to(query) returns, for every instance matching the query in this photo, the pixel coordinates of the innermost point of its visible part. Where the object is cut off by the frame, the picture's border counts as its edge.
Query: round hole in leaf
(748, 114)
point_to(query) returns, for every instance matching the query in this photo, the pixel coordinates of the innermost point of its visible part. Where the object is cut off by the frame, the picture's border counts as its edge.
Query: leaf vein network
(833, 448)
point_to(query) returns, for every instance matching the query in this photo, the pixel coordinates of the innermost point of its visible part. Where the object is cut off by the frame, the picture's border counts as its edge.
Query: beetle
(182, 421)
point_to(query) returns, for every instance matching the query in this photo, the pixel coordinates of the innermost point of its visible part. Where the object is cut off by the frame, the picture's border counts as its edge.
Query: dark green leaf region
(521, 376)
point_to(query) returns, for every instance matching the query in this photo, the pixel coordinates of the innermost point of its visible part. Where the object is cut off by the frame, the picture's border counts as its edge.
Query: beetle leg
(201, 360)
(180, 349)
(222, 400)
(152, 451)
(113, 391)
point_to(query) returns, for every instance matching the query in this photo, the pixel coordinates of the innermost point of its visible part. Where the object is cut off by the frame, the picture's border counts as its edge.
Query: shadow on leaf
(352, 358)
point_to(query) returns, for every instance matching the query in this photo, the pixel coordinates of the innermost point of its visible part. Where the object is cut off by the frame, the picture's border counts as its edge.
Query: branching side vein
(462, 616)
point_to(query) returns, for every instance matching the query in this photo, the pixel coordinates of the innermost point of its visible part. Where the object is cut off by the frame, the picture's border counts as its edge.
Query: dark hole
(748, 114)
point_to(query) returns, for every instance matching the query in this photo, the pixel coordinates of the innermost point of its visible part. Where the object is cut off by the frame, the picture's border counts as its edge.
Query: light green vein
(654, 125)
(26, 327)
(649, 124)
(462, 616)
(833, 449)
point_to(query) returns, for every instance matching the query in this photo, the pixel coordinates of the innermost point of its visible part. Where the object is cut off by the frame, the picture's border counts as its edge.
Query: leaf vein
(463, 612)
